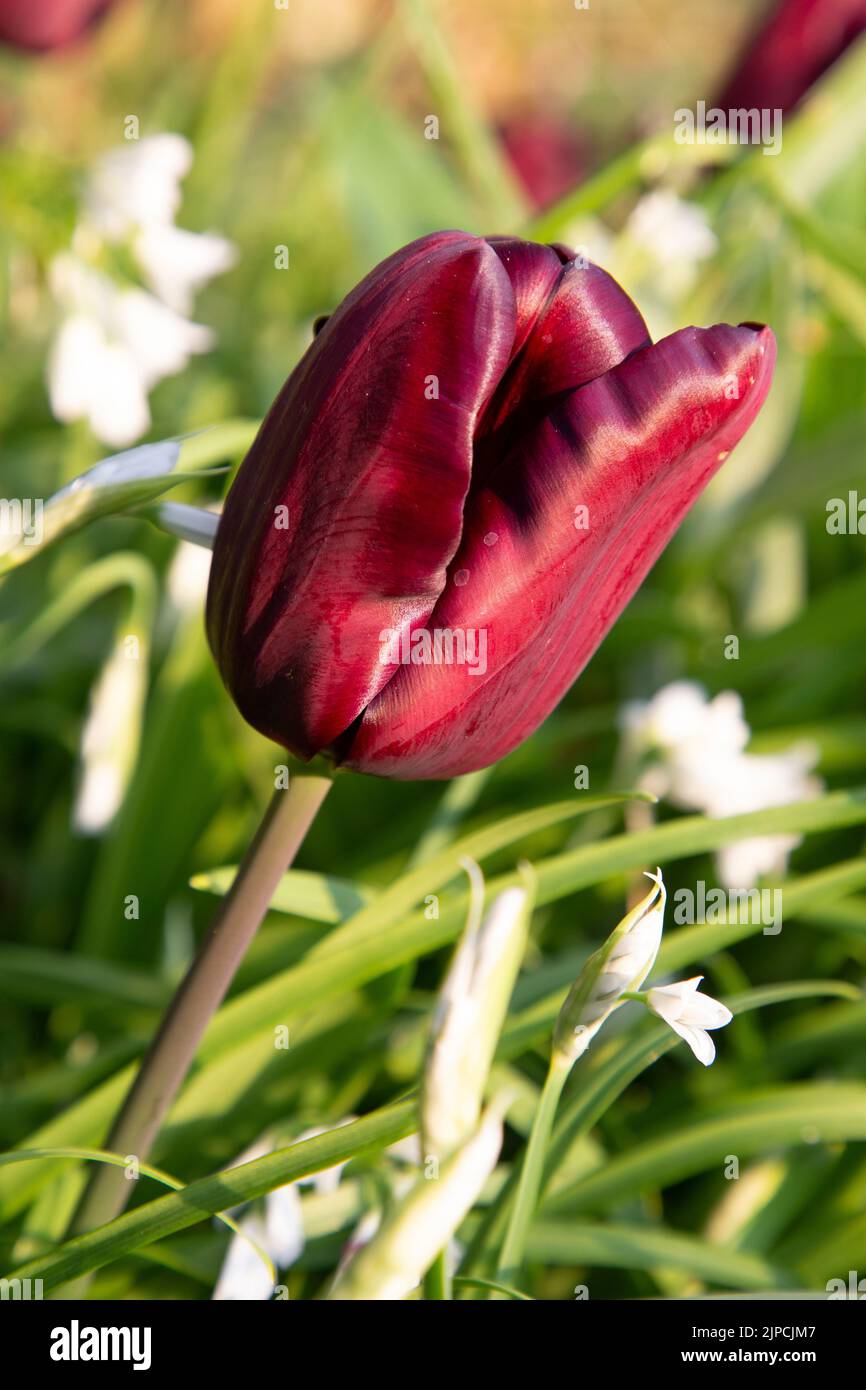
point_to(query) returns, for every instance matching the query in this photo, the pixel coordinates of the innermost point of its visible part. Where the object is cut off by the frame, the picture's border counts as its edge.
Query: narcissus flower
(456, 493)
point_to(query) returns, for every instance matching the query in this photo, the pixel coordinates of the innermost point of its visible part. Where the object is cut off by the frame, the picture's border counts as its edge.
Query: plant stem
(437, 1280)
(531, 1173)
(168, 1059)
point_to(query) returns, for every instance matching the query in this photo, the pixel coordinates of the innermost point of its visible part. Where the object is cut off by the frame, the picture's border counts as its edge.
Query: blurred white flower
(110, 738)
(690, 1014)
(113, 346)
(137, 185)
(671, 230)
(753, 783)
(116, 340)
(695, 753)
(177, 263)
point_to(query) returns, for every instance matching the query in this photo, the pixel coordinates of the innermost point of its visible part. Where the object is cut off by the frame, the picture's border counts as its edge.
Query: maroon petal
(372, 467)
(635, 447)
(586, 325)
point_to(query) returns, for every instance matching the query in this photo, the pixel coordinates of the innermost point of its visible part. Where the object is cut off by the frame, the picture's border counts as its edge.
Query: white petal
(178, 263)
(702, 1011)
(138, 183)
(119, 411)
(161, 341)
(74, 367)
(244, 1276)
(700, 1042)
(284, 1226)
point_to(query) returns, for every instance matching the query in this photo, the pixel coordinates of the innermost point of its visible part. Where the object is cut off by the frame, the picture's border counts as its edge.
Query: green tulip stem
(279, 837)
(532, 1172)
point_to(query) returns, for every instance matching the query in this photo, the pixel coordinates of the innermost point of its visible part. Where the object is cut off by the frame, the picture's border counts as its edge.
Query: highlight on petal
(583, 326)
(557, 541)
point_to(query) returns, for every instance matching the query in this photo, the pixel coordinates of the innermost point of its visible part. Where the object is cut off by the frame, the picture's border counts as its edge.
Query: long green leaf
(817, 1112)
(162, 1217)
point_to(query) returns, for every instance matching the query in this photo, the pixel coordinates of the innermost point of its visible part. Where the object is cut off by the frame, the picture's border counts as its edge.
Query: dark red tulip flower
(454, 496)
(45, 24)
(796, 44)
(545, 154)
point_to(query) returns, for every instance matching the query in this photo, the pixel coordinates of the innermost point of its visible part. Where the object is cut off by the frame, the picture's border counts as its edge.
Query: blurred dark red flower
(44, 24)
(796, 44)
(546, 155)
(457, 491)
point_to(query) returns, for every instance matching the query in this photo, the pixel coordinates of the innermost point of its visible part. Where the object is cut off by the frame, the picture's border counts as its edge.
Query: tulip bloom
(456, 493)
(46, 24)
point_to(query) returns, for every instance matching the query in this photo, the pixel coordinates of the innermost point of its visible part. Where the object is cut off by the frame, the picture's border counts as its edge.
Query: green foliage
(329, 159)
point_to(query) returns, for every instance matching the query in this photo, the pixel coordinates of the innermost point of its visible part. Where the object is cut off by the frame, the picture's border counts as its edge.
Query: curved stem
(168, 1059)
(531, 1173)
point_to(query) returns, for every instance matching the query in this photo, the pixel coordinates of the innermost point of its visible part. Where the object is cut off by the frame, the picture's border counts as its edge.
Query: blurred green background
(308, 127)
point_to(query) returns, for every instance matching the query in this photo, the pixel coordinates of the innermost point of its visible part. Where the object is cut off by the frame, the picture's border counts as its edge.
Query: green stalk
(532, 1172)
(168, 1059)
(437, 1280)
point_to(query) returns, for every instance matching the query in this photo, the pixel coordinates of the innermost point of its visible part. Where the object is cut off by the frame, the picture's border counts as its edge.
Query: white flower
(110, 738)
(117, 340)
(697, 757)
(620, 965)
(672, 231)
(690, 1014)
(177, 263)
(137, 185)
(112, 348)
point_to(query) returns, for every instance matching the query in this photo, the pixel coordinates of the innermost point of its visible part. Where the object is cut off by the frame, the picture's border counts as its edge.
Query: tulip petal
(349, 506)
(635, 448)
(585, 325)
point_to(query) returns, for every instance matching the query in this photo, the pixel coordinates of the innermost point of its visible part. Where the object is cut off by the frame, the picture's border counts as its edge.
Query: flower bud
(620, 965)
(456, 493)
(469, 1015)
(408, 1241)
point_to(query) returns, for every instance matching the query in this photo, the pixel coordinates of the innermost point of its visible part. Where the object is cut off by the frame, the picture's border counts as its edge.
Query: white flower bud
(469, 1015)
(621, 964)
(394, 1261)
